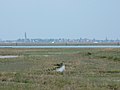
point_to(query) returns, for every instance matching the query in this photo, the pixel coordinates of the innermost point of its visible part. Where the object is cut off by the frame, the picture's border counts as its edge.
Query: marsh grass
(86, 69)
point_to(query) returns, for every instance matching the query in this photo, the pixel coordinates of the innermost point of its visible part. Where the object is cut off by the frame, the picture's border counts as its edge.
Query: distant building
(25, 36)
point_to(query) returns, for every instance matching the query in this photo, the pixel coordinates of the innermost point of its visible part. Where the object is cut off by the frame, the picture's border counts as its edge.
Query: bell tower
(25, 36)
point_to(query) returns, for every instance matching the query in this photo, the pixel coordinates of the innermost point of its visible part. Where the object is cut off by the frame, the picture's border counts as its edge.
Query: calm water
(59, 46)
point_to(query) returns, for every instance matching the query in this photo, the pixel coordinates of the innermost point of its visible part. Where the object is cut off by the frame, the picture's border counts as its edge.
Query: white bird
(61, 68)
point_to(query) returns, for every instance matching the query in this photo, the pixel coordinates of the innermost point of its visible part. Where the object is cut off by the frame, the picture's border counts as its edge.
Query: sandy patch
(11, 56)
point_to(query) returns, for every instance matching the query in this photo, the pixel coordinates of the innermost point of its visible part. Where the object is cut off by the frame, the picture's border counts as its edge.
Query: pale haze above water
(60, 19)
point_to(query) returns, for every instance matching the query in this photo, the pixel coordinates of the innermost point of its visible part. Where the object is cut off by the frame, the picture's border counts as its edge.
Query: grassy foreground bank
(86, 69)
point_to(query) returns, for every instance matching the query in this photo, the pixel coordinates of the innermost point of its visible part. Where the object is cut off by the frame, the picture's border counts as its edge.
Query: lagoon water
(59, 46)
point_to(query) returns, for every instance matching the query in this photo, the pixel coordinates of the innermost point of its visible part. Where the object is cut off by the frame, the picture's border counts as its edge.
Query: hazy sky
(60, 19)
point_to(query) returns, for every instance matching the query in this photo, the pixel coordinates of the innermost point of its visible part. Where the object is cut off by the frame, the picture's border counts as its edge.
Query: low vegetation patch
(85, 69)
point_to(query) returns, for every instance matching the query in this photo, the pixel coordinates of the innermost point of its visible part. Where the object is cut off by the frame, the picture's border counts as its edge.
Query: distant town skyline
(60, 40)
(60, 19)
(27, 36)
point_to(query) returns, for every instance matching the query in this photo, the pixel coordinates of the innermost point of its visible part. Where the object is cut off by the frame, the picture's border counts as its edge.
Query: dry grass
(86, 69)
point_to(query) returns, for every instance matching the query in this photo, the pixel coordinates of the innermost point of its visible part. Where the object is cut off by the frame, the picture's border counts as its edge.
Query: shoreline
(59, 44)
(100, 46)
